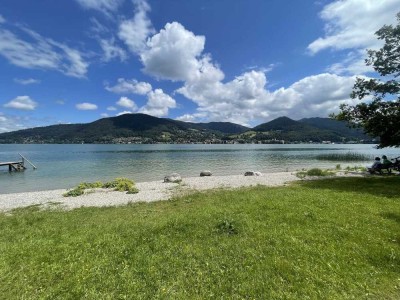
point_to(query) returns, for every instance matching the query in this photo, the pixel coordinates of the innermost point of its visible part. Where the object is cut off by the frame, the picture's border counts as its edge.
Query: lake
(64, 166)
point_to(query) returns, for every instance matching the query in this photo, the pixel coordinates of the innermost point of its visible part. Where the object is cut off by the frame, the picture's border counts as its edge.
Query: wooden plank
(9, 163)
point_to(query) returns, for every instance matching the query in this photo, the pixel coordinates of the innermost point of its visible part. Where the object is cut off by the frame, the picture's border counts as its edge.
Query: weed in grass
(338, 167)
(227, 226)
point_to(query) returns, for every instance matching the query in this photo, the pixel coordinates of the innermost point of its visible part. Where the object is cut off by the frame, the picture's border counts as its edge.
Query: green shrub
(90, 185)
(314, 172)
(74, 192)
(118, 184)
(122, 185)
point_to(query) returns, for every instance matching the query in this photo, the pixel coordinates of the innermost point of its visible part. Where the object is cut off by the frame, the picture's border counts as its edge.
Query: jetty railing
(25, 159)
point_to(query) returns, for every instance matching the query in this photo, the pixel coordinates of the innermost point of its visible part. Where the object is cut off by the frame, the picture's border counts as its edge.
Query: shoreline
(148, 192)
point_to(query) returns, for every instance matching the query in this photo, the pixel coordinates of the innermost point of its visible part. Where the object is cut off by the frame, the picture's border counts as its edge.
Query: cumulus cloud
(26, 81)
(105, 6)
(41, 53)
(130, 86)
(158, 104)
(127, 103)
(176, 54)
(350, 25)
(134, 32)
(246, 98)
(86, 106)
(22, 102)
(111, 108)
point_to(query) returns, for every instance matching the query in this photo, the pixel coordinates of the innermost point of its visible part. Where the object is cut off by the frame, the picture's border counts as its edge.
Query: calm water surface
(64, 166)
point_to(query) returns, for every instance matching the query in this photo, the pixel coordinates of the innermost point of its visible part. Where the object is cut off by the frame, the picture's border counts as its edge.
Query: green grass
(349, 156)
(325, 239)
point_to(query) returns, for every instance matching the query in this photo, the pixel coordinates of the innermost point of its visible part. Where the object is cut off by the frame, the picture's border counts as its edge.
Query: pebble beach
(148, 192)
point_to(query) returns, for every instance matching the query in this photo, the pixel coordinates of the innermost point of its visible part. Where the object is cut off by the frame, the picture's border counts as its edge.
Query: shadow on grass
(388, 187)
(391, 216)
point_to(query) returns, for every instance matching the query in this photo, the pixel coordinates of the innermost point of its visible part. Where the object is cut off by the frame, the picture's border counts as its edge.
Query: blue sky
(243, 61)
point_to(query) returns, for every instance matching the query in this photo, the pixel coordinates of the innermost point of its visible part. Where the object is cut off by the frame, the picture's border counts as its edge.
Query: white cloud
(111, 108)
(111, 50)
(2, 20)
(11, 123)
(127, 103)
(197, 117)
(350, 25)
(26, 81)
(176, 54)
(158, 104)
(104, 115)
(132, 86)
(41, 53)
(246, 98)
(86, 106)
(22, 102)
(105, 6)
(60, 102)
(134, 32)
(124, 112)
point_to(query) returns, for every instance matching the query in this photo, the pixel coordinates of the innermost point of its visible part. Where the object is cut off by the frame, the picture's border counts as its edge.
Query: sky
(240, 61)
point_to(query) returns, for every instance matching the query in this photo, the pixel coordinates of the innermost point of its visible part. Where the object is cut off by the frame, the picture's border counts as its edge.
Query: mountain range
(142, 128)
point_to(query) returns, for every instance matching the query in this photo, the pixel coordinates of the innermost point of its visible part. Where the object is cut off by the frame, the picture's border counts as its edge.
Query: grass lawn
(325, 239)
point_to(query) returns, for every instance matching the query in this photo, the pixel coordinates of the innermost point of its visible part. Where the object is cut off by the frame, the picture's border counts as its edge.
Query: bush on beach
(118, 184)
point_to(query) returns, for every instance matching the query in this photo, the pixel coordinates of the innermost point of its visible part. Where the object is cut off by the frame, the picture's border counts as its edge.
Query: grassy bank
(327, 239)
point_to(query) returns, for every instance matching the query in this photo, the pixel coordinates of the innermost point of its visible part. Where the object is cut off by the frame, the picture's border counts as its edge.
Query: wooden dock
(14, 165)
(17, 165)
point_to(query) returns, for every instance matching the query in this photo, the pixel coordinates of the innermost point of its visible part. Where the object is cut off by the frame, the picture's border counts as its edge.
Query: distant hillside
(282, 123)
(335, 126)
(124, 128)
(141, 128)
(224, 127)
(313, 129)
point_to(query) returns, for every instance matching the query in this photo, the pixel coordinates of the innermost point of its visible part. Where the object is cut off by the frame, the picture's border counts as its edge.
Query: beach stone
(174, 177)
(252, 173)
(205, 173)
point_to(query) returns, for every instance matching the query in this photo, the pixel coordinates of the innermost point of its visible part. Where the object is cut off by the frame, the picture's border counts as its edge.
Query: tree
(380, 117)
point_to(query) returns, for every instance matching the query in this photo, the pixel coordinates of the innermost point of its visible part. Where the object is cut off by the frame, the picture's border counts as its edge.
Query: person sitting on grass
(375, 166)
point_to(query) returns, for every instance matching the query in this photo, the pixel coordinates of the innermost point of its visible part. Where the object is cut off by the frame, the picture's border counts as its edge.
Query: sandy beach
(148, 191)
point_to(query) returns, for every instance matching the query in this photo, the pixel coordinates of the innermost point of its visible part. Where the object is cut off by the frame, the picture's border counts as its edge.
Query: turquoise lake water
(64, 166)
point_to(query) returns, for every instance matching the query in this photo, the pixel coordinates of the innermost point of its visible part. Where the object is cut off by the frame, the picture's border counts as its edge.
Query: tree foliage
(380, 116)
